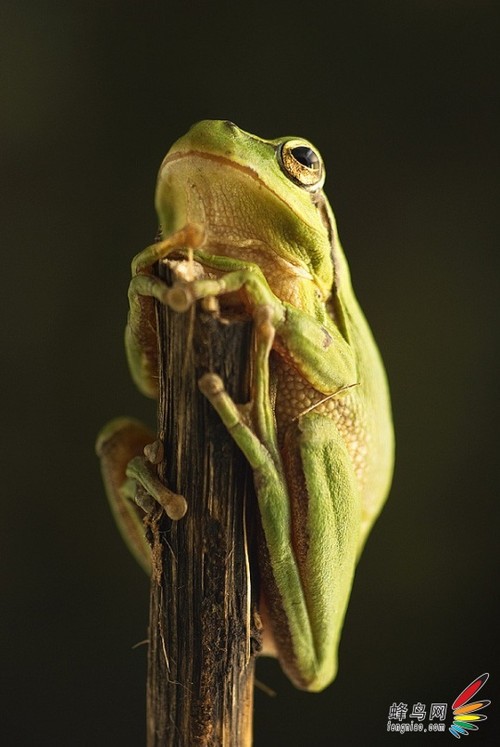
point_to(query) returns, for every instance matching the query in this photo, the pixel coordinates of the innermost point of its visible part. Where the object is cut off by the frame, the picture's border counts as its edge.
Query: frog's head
(257, 198)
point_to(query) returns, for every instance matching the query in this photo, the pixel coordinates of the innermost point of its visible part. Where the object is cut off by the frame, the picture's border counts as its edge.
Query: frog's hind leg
(130, 480)
(118, 442)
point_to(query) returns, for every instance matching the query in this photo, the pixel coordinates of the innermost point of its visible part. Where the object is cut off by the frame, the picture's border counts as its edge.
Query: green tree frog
(317, 432)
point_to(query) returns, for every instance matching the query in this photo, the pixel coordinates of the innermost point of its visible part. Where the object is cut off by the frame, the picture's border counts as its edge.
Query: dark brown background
(400, 98)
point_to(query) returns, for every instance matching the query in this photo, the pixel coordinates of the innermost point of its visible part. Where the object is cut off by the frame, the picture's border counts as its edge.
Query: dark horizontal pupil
(305, 156)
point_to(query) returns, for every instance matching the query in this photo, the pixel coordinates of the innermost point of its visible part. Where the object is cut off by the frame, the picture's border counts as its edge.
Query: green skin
(322, 470)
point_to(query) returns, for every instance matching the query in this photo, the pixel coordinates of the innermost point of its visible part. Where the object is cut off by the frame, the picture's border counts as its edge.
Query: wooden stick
(201, 666)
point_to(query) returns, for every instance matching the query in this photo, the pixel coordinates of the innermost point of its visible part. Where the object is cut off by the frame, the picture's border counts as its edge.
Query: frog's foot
(127, 451)
(237, 423)
(141, 473)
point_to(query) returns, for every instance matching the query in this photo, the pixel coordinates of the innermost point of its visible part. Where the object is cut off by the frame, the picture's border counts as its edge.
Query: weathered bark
(200, 679)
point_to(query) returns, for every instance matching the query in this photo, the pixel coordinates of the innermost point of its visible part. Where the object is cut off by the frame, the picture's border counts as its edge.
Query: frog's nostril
(230, 125)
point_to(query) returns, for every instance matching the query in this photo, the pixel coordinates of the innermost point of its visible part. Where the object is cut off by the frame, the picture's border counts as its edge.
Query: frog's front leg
(126, 451)
(319, 352)
(140, 333)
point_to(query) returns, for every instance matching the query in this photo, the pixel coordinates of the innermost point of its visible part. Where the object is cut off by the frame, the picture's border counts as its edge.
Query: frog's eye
(302, 164)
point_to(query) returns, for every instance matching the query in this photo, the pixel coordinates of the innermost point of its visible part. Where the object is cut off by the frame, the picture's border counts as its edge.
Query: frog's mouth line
(223, 161)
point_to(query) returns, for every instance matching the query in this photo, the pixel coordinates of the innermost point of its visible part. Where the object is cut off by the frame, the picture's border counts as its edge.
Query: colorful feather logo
(465, 714)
